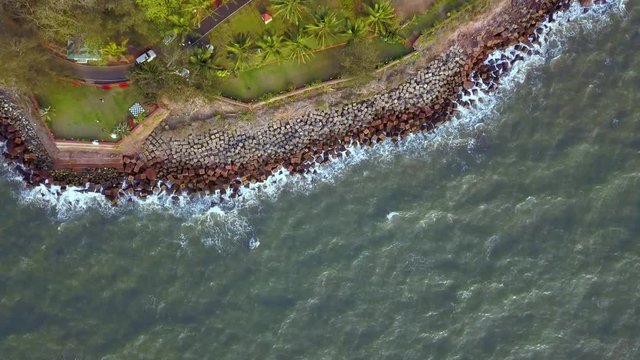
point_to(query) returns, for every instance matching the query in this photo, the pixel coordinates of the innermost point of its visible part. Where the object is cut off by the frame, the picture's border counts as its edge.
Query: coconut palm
(197, 10)
(204, 59)
(114, 49)
(298, 49)
(290, 10)
(355, 29)
(181, 26)
(271, 45)
(391, 35)
(325, 26)
(381, 16)
(240, 50)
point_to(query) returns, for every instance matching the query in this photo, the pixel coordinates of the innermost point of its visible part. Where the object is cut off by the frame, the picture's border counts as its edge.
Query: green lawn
(85, 112)
(265, 80)
(438, 12)
(253, 84)
(248, 21)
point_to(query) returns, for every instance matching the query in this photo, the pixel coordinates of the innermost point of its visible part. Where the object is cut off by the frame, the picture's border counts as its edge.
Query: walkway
(72, 155)
(78, 155)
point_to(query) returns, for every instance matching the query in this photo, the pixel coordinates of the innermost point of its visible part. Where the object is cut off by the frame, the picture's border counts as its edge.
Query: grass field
(248, 21)
(263, 80)
(253, 84)
(438, 12)
(85, 112)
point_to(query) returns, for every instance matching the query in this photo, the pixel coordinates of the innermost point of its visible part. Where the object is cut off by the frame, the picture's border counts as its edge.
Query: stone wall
(31, 135)
(211, 158)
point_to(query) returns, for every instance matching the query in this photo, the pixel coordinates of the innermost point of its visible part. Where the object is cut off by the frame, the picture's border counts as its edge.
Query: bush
(359, 58)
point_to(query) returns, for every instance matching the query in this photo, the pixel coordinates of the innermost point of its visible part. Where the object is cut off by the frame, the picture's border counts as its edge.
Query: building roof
(78, 51)
(267, 18)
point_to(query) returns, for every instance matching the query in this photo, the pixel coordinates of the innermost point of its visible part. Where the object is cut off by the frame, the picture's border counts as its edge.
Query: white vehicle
(146, 57)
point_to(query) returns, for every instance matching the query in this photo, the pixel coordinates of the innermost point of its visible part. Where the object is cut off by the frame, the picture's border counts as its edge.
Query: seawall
(209, 158)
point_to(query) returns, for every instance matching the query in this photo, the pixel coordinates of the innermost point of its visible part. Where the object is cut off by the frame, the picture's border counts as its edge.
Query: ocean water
(510, 233)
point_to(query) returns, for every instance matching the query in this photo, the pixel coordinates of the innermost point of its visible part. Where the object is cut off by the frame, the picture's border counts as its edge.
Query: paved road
(100, 74)
(216, 18)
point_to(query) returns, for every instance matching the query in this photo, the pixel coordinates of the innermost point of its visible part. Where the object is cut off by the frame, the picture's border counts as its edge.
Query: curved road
(216, 18)
(100, 74)
(114, 74)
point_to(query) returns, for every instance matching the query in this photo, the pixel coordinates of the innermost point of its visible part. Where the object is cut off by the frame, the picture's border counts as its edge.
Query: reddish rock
(151, 174)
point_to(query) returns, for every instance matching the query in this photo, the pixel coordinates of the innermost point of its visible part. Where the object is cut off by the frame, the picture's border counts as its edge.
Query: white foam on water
(392, 215)
(211, 218)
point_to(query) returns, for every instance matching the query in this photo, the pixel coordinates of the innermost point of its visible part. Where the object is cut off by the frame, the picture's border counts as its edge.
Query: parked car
(146, 57)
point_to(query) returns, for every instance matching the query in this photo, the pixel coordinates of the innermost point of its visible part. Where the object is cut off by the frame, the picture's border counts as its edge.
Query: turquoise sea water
(511, 233)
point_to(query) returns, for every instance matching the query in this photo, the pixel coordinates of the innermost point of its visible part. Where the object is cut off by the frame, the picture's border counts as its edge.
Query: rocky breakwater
(221, 160)
(24, 146)
(212, 159)
(20, 127)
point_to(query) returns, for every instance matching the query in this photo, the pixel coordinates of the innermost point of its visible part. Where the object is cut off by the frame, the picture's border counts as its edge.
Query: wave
(218, 217)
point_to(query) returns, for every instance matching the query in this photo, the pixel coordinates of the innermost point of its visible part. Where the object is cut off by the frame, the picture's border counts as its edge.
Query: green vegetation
(437, 14)
(84, 112)
(305, 42)
(264, 82)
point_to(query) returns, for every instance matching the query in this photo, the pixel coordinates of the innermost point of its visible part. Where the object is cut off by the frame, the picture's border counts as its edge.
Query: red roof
(266, 17)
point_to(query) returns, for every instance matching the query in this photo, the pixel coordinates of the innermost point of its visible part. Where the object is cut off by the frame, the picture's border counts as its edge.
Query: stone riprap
(186, 160)
(27, 144)
(432, 85)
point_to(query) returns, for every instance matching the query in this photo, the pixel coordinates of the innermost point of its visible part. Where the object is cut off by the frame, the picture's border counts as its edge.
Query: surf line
(481, 75)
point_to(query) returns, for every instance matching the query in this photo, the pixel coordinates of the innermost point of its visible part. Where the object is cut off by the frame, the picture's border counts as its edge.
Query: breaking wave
(218, 222)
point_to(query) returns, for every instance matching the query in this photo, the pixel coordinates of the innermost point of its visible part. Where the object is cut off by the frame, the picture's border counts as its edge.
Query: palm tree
(181, 26)
(113, 49)
(298, 50)
(355, 29)
(239, 50)
(204, 59)
(325, 25)
(381, 16)
(290, 10)
(152, 79)
(271, 46)
(391, 35)
(197, 10)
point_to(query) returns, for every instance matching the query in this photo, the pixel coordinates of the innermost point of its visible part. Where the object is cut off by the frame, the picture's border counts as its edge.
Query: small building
(77, 51)
(267, 18)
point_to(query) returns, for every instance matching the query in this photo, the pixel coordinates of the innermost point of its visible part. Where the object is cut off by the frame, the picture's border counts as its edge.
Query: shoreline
(216, 161)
